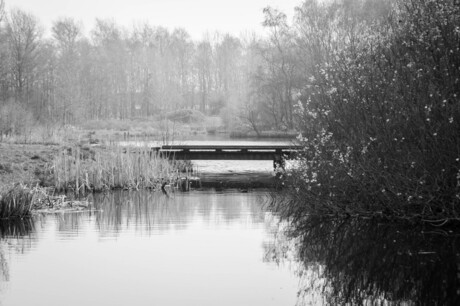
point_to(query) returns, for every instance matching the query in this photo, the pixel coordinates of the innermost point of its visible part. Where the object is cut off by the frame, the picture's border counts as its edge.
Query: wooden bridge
(276, 153)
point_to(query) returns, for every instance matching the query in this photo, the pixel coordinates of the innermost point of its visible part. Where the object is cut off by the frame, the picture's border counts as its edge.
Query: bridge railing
(227, 152)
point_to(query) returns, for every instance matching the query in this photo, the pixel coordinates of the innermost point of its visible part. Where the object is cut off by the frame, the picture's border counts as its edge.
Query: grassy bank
(78, 169)
(166, 128)
(28, 164)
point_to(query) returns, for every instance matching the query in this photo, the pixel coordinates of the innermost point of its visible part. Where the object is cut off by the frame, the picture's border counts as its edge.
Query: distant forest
(142, 72)
(277, 80)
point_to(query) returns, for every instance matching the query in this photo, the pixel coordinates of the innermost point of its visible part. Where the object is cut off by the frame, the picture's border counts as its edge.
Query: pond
(207, 247)
(145, 248)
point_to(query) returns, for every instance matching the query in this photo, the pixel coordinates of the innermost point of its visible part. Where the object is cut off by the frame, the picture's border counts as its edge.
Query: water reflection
(154, 212)
(13, 238)
(221, 249)
(144, 248)
(372, 263)
(16, 228)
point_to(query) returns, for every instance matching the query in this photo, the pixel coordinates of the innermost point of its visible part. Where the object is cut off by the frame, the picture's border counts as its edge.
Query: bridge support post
(278, 162)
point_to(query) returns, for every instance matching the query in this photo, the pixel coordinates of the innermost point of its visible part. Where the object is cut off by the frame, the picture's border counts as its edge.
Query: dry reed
(111, 168)
(16, 203)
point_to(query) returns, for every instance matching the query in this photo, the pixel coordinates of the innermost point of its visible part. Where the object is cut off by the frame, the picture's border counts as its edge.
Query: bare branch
(2, 10)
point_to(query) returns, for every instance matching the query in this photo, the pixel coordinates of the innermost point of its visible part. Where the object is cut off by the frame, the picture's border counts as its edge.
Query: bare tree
(203, 65)
(3, 55)
(66, 32)
(183, 49)
(281, 62)
(24, 34)
(2, 10)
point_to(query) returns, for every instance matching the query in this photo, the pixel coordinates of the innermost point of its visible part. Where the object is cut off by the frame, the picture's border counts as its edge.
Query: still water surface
(222, 248)
(146, 248)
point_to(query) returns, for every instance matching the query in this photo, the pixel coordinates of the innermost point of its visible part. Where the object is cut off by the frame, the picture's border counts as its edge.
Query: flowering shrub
(379, 112)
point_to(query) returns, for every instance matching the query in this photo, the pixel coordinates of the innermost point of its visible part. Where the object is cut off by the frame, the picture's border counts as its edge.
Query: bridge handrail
(228, 147)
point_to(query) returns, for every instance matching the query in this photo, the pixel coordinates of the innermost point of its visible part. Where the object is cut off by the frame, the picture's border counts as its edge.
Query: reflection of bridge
(227, 152)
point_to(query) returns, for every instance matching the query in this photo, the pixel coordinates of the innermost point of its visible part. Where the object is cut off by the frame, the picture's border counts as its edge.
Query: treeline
(378, 108)
(119, 73)
(114, 73)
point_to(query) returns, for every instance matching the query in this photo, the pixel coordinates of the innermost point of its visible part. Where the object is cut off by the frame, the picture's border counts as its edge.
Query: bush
(186, 116)
(381, 118)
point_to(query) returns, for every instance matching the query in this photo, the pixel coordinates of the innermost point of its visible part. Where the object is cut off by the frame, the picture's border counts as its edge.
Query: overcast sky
(196, 16)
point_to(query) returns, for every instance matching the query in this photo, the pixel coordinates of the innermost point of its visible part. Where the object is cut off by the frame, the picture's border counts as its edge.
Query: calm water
(221, 248)
(144, 248)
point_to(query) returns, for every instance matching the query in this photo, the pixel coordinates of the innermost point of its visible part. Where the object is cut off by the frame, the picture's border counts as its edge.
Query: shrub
(186, 116)
(381, 117)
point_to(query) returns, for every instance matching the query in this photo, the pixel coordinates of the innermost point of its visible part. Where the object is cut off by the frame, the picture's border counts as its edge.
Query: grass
(44, 134)
(111, 168)
(81, 170)
(19, 202)
(26, 164)
(16, 203)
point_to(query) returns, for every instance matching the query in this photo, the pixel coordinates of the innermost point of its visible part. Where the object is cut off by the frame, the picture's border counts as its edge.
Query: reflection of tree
(12, 236)
(366, 262)
(146, 211)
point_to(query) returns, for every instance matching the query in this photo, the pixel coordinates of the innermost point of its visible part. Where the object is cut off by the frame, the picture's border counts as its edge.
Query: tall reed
(111, 168)
(16, 203)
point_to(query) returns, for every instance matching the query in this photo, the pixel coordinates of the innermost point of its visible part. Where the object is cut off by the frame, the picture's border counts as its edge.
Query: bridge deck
(226, 152)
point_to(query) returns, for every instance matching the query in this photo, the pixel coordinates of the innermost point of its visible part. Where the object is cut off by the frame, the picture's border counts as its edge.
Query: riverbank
(26, 170)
